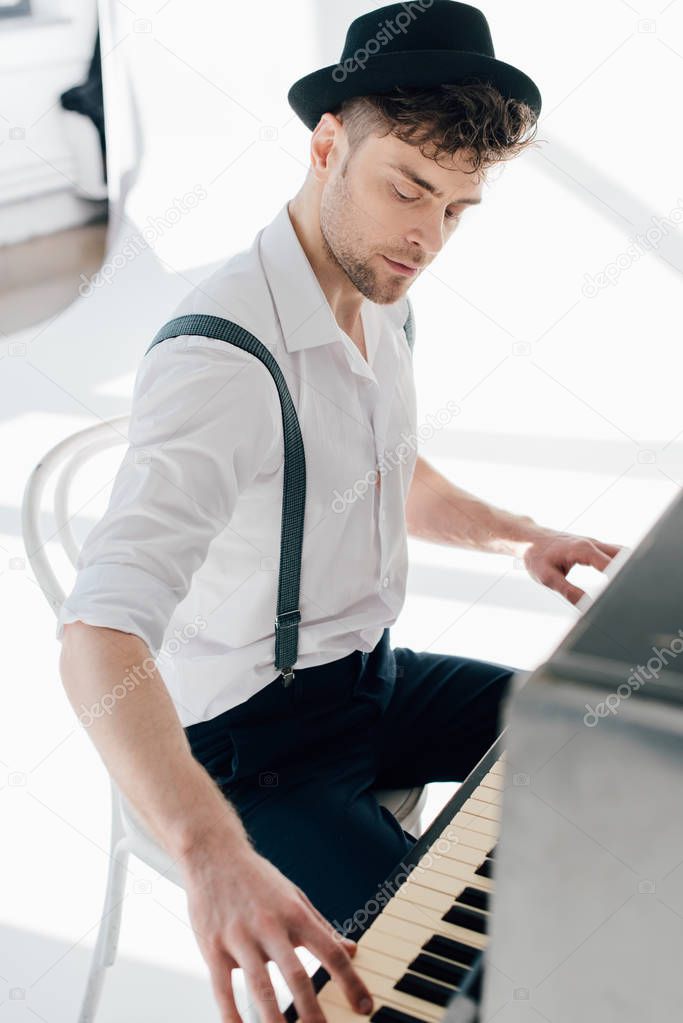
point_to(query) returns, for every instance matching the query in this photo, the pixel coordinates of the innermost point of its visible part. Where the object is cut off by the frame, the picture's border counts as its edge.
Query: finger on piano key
(383, 991)
(345, 1014)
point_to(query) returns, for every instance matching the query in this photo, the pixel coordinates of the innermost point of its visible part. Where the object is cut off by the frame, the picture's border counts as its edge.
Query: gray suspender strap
(294, 487)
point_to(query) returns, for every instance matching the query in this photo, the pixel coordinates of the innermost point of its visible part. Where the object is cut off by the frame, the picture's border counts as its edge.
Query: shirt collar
(305, 315)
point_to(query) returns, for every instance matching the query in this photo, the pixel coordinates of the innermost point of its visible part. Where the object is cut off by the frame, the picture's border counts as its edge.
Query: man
(264, 795)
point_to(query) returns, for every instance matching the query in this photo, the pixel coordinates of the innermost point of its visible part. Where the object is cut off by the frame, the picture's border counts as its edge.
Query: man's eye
(412, 198)
(400, 195)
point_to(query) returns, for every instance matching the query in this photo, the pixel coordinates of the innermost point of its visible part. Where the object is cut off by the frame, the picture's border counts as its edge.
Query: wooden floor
(40, 277)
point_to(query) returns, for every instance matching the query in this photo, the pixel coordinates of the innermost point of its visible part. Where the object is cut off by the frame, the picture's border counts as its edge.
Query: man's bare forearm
(438, 510)
(120, 697)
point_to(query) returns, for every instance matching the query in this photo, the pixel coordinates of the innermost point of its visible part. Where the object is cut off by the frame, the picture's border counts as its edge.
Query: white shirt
(186, 555)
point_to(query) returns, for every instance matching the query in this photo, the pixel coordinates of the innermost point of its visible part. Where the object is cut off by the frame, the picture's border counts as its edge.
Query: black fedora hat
(423, 44)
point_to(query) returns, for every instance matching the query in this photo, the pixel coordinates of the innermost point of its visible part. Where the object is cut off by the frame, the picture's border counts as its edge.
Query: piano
(419, 949)
(550, 886)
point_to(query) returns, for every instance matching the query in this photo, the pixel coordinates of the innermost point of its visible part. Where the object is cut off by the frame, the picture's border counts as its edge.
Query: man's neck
(344, 299)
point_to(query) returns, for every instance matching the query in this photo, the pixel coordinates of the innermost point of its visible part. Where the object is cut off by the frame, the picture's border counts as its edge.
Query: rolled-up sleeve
(205, 417)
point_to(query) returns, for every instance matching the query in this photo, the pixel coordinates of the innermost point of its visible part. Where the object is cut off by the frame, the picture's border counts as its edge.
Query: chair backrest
(64, 459)
(62, 462)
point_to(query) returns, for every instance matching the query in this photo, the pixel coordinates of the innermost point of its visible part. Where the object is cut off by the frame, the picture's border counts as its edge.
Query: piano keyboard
(415, 953)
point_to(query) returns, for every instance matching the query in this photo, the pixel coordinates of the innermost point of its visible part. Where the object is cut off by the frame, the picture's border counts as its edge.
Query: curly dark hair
(471, 115)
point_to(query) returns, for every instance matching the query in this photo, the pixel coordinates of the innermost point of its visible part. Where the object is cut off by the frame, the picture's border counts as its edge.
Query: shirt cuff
(123, 597)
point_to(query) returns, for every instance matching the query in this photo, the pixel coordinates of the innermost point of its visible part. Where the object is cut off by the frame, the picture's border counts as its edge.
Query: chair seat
(406, 806)
(137, 839)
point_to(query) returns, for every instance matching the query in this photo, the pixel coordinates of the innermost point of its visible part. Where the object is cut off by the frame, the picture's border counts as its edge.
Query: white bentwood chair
(128, 835)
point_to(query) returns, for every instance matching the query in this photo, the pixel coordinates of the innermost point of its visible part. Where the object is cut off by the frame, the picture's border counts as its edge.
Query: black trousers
(299, 763)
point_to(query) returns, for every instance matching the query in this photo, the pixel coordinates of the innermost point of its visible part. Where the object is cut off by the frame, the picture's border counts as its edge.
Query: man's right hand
(245, 912)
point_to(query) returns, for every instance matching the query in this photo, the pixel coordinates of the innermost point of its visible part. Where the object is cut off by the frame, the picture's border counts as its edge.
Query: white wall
(41, 56)
(568, 386)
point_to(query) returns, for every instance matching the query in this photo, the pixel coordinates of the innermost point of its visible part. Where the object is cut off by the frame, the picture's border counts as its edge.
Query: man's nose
(429, 234)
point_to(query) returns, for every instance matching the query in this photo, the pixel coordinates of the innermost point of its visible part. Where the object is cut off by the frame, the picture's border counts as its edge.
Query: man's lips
(401, 268)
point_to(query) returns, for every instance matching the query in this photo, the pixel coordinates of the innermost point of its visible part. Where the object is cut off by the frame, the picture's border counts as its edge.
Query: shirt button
(385, 581)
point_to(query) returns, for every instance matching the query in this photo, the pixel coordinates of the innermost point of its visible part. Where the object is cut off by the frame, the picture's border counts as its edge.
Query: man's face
(373, 213)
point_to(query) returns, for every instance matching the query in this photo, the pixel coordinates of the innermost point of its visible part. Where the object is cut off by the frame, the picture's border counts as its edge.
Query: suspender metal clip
(287, 620)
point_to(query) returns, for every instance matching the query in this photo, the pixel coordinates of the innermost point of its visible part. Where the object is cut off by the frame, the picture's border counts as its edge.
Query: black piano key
(449, 948)
(471, 986)
(474, 897)
(464, 917)
(439, 969)
(427, 990)
(386, 1014)
(492, 852)
(485, 869)
(477, 981)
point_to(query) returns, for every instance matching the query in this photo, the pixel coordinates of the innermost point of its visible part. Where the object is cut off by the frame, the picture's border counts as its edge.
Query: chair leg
(108, 934)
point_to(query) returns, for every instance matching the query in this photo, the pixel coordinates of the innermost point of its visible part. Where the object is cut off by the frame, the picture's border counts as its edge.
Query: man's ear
(328, 142)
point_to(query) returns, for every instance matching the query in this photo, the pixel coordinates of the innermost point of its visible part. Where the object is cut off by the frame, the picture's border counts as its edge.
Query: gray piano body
(587, 914)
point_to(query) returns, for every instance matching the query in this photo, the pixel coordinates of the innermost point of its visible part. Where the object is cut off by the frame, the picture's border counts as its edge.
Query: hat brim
(314, 94)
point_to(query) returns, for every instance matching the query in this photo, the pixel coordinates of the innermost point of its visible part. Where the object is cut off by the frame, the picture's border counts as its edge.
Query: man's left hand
(550, 558)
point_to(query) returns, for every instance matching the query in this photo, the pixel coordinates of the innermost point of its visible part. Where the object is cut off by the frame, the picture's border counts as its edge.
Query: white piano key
(421, 928)
(480, 809)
